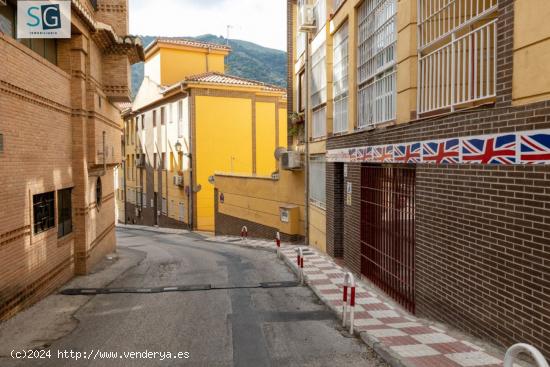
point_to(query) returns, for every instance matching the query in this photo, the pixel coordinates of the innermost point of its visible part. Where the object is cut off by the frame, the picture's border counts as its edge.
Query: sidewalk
(153, 229)
(400, 338)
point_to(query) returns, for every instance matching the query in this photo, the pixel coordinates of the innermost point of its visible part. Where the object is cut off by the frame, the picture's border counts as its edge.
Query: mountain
(246, 60)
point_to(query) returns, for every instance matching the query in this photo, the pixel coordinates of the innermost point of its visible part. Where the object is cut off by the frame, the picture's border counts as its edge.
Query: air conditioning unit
(178, 180)
(306, 18)
(291, 160)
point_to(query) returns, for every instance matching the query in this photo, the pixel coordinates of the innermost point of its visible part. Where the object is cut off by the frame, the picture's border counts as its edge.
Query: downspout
(306, 133)
(190, 207)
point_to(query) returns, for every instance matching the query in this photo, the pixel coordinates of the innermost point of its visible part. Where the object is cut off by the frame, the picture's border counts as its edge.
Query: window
(162, 115)
(64, 213)
(301, 37)
(319, 124)
(1, 143)
(457, 54)
(98, 193)
(180, 119)
(320, 11)
(7, 19)
(154, 118)
(142, 122)
(302, 84)
(340, 80)
(154, 160)
(43, 206)
(163, 207)
(318, 76)
(317, 181)
(376, 62)
(163, 160)
(47, 48)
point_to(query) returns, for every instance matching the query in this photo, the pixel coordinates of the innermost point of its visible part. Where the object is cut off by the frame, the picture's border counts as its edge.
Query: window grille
(319, 123)
(340, 80)
(317, 184)
(377, 34)
(318, 77)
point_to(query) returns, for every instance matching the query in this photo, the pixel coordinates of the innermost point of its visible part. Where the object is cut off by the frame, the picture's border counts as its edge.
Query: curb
(385, 353)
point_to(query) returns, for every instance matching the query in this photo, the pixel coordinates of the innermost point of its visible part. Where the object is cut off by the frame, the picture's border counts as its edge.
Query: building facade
(59, 144)
(437, 154)
(190, 120)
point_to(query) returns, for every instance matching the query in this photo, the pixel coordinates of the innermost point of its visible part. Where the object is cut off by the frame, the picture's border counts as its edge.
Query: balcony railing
(460, 72)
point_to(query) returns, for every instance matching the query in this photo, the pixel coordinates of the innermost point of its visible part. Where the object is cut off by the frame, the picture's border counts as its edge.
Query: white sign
(285, 217)
(345, 170)
(44, 19)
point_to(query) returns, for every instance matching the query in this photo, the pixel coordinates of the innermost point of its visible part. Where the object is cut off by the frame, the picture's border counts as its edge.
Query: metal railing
(515, 350)
(376, 101)
(319, 123)
(460, 72)
(438, 19)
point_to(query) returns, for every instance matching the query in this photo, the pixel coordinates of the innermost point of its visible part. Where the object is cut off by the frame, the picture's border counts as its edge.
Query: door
(388, 229)
(155, 209)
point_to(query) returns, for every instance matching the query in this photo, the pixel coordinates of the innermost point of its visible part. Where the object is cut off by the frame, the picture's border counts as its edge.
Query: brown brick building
(60, 133)
(437, 141)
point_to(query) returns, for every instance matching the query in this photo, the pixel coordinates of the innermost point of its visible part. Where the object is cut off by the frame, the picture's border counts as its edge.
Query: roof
(188, 43)
(230, 80)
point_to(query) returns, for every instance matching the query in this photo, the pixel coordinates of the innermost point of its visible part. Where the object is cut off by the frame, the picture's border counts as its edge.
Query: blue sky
(259, 21)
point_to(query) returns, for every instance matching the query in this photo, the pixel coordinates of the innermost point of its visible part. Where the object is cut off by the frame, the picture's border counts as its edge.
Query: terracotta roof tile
(224, 79)
(190, 43)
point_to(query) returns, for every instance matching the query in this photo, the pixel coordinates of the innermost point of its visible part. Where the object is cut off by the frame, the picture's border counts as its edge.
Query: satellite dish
(279, 152)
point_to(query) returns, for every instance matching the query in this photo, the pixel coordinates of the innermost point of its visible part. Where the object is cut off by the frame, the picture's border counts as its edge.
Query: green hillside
(247, 60)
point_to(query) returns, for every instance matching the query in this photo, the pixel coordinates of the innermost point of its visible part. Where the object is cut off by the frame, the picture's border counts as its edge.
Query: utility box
(289, 221)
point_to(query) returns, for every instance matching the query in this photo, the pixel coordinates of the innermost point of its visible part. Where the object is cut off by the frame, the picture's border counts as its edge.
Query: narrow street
(240, 327)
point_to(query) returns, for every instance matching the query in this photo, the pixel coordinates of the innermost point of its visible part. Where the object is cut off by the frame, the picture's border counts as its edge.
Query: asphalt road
(230, 327)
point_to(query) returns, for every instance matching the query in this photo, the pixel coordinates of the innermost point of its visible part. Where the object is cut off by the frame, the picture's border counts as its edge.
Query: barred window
(319, 123)
(376, 62)
(319, 76)
(43, 206)
(64, 213)
(320, 11)
(317, 184)
(340, 80)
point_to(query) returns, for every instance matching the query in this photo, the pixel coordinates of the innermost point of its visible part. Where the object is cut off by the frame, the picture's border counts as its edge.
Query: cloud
(258, 21)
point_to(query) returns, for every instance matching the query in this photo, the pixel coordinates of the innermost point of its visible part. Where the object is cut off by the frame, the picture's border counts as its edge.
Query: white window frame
(301, 37)
(319, 76)
(340, 82)
(319, 123)
(376, 63)
(320, 11)
(317, 181)
(457, 43)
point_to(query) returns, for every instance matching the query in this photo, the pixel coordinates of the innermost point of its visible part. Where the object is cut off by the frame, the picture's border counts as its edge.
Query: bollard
(244, 233)
(278, 243)
(515, 350)
(349, 282)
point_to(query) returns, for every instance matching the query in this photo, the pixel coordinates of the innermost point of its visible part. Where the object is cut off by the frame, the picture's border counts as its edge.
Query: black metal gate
(387, 229)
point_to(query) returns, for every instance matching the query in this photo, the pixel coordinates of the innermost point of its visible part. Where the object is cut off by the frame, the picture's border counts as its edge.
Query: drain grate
(180, 288)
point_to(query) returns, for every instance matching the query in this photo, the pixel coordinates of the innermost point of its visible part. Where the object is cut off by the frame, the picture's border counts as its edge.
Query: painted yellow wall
(407, 59)
(266, 134)
(283, 127)
(317, 228)
(531, 77)
(259, 199)
(176, 64)
(223, 143)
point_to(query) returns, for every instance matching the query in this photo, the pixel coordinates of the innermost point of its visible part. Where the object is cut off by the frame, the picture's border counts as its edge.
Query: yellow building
(188, 121)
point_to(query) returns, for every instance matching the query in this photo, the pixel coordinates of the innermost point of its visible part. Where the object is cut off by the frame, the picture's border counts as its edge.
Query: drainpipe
(191, 204)
(306, 133)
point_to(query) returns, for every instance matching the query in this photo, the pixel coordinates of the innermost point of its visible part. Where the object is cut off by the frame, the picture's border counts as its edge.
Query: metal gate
(387, 229)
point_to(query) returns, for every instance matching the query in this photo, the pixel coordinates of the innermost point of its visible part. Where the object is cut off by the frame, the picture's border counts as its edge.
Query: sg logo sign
(44, 19)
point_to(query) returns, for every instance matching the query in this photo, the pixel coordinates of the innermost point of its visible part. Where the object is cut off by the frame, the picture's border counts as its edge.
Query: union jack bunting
(441, 152)
(408, 153)
(535, 147)
(383, 154)
(490, 149)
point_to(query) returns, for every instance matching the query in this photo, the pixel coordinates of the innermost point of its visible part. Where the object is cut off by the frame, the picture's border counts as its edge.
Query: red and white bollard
(278, 243)
(515, 350)
(349, 283)
(244, 233)
(300, 263)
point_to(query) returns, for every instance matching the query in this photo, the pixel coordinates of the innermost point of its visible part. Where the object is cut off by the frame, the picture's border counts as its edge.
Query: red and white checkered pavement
(412, 341)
